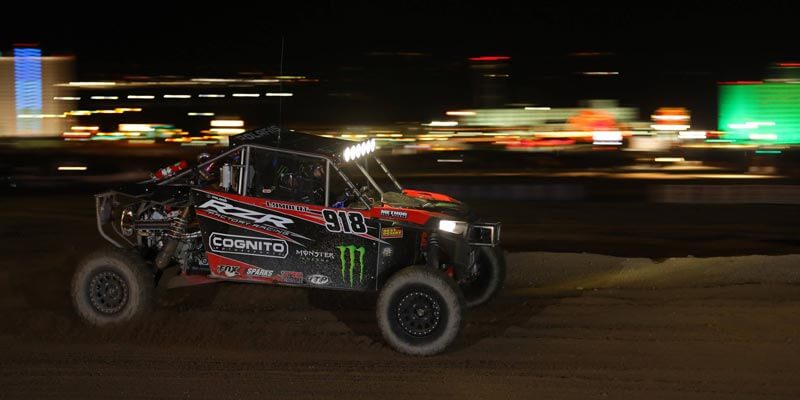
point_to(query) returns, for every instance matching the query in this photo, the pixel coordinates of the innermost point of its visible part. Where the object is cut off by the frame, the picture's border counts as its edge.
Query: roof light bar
(359, 150)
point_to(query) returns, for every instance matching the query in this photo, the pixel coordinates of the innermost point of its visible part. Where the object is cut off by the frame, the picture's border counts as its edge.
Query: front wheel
(111, 287)
(420, 311)
(491, 276)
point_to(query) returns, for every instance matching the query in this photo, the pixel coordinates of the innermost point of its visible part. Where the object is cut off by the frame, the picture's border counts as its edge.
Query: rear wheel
(420, 311)
(491, 276)
(111, 287)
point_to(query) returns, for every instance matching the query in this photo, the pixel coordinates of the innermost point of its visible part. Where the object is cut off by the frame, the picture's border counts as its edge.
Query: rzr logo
(351, 251)
(250, 215)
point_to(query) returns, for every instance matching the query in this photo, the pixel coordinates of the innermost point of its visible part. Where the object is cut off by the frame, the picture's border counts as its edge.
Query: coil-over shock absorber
(175, 234)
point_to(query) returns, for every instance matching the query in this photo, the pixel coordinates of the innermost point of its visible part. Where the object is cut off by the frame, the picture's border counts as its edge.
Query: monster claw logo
(351, 250)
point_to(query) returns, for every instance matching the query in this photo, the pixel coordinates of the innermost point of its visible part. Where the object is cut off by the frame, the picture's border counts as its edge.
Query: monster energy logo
(352, 250)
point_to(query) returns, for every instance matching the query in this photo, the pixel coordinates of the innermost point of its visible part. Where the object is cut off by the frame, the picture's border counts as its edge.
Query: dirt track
(247, 341)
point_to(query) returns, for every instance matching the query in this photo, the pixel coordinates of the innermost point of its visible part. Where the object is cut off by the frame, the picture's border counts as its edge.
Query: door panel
(263, 240)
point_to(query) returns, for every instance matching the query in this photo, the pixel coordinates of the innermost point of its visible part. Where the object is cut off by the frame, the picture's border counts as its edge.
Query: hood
(428, 201)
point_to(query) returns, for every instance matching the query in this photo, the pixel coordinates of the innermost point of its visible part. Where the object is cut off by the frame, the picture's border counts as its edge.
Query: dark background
(407, 61)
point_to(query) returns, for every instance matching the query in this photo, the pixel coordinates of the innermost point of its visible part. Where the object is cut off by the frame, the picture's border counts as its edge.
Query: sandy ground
(568, 325)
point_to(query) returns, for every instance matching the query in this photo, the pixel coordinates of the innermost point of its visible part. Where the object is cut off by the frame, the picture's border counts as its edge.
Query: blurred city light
(226, 123)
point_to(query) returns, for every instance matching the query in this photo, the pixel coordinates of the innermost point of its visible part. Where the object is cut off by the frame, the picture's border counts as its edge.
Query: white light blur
(537, 108)
(141, 97)
(607, 136)
(92, 83)
(105, 98)
(213, 80)
(72, 168)
(227, 123)
(200, 114)
(669, 159)
(763, 136)
(443, 123)
(692, 135)
(76, 134)
(457, 113)
(135, 127)
(670, 127)
(66, 98)
(751, 125)
(41, 116)
(670, 117)
(177, 96)
(279, 94)
(601, 73)
(211, 95)
(246, 95)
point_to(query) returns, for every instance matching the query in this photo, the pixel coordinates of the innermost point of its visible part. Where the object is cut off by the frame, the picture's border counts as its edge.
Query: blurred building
(490, 76)
(28, 92)
(543, 117)
(762, 112)
(201, 110)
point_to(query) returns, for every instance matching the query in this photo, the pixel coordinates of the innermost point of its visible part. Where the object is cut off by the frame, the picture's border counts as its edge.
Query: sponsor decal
(249, 245)
(259, 272)
(258, 133)
(289, 207)
(350, 256)
(229, 271)
(257, 217)
(394, 232)
(317, 279)
(394, 214)
(344, 221)
(291, 277)
(314, 254)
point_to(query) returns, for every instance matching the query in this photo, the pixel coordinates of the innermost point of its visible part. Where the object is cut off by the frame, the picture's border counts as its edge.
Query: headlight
(455, 227)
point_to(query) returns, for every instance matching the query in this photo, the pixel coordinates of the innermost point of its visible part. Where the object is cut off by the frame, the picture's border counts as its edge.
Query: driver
(306, 185)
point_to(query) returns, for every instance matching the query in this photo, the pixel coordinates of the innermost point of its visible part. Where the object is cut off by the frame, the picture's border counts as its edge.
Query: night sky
(668, 53)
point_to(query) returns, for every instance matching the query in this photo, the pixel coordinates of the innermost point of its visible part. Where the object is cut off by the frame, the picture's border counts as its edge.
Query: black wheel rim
(419, 314)
(108, 292)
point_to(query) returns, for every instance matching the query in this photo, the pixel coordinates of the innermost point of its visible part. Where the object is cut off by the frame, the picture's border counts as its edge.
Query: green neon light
(767, 113)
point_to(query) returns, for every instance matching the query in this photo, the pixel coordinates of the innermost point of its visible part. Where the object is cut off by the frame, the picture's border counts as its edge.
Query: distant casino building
(28, 92)
(762, 112)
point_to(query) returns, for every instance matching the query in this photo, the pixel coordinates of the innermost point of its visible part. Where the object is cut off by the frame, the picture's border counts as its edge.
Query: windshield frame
(362, 165)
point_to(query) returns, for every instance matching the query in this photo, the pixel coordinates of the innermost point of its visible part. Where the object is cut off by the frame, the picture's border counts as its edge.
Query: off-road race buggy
(289, 208)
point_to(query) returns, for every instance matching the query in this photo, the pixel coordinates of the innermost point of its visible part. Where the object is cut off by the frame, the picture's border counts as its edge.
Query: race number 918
(344, 221)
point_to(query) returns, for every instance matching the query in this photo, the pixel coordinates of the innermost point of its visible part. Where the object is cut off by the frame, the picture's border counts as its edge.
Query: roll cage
(330, 163)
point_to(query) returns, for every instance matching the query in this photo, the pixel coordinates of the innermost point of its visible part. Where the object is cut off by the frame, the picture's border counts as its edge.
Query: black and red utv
(289, 208)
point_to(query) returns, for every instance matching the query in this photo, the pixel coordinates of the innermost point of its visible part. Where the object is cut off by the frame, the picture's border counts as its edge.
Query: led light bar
(359, 150)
